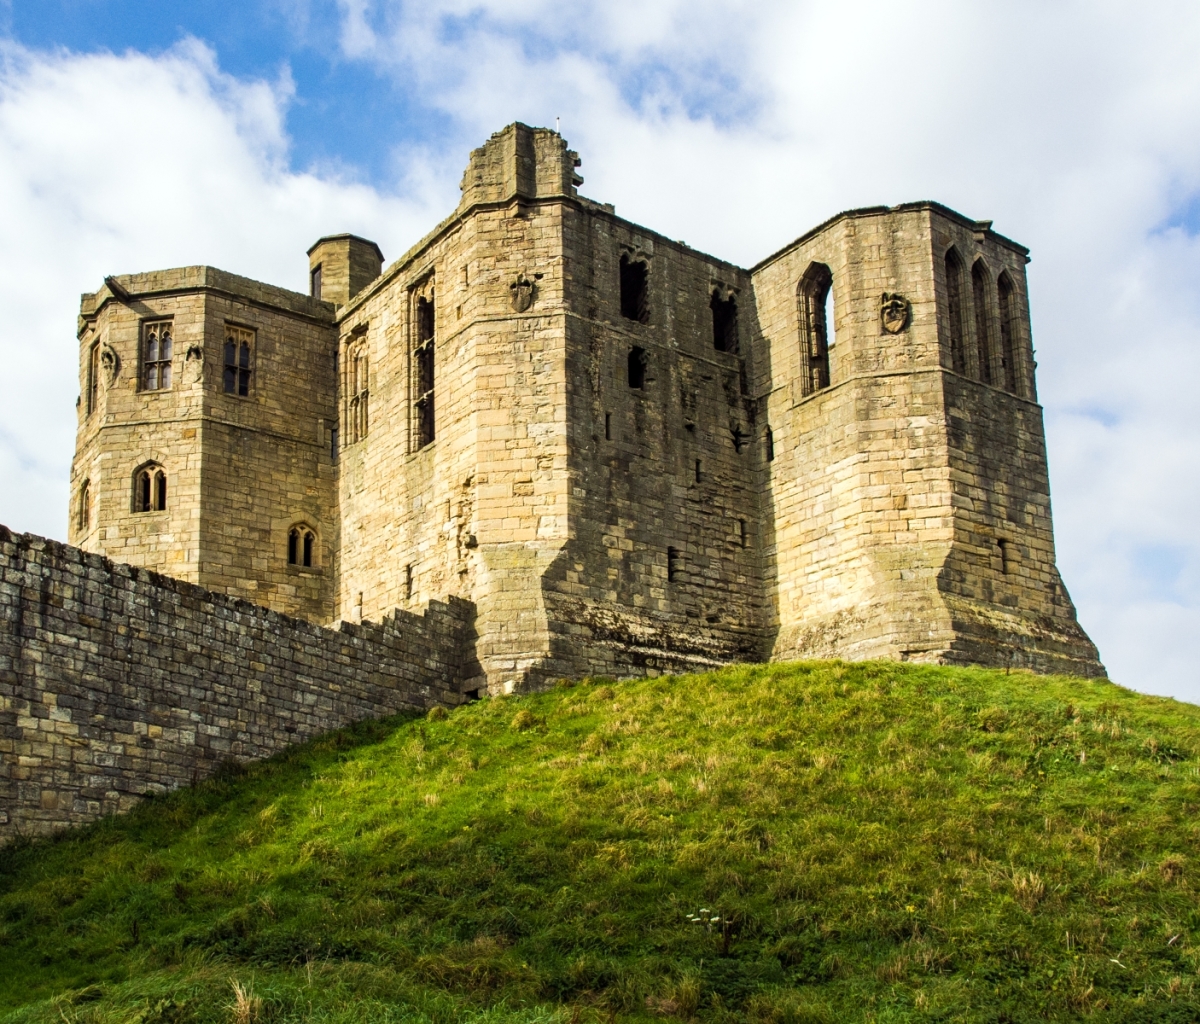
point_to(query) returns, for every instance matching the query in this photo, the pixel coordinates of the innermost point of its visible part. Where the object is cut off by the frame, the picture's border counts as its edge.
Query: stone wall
(117, 682)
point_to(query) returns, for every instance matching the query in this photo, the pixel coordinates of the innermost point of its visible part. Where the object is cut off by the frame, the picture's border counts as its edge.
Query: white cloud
(1075, 125)
(115, 164)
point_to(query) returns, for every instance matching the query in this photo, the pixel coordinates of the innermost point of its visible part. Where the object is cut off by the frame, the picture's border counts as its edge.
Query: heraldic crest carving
(894, 312)
(522, 293)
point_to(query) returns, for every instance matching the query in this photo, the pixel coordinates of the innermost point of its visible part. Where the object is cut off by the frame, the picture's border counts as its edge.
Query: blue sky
(142, 135)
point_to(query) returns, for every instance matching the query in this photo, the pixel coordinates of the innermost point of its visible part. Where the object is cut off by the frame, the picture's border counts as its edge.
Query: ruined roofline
(984, 226)
(200, 278)
(461, 214)
(345, 235)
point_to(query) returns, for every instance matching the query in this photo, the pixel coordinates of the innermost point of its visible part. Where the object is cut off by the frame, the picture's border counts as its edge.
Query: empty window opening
(408, 573)
(1005, 557)
(1008, 331)
(770, 445)
(979, 295)
(358, 412)
(635, 298)
(672, 564)
(237, 361)
(816, 315)
(830, 320)
(93, 378)
(150, 490)
(333, 444)
(315, 279)
(697, 471)
(301, 544)
(423, 364)
(742, 532)
(724, 318)
(636, 368)
(608, 426)
(85, 506)
(156, 356)
(954, 302)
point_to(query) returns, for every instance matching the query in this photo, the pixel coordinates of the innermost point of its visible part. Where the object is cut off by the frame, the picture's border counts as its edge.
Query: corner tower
(908, 492)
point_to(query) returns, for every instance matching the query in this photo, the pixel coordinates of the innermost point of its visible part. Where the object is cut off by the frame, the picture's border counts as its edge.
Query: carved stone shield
(110, 364)
(894, 311)
(193, 366)
(522, 293)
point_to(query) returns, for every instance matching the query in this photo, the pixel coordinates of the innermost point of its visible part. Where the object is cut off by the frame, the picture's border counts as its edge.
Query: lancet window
(423, 370)
(954, 302)
(239, 356)
(93, 378)
(358, 386)
(150, 489)
(157, 342)
(816, 320)
(983, 340)
(1006, 293)
(84, 519)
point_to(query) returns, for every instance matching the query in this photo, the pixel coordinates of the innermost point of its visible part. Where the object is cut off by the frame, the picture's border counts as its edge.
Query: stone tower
(624, 454)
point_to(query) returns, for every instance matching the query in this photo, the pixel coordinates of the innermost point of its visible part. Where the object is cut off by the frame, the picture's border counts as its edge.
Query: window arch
(238, 343)
(302, 546)
(816, 311)
(1006, 292)
(423, 368)
(84, 518)
(983, 339)
(358, 381)
(954, 304)
(150, 488)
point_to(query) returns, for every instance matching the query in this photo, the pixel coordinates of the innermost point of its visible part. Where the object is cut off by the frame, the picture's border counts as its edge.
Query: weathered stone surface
(748, 497)
(116, 682)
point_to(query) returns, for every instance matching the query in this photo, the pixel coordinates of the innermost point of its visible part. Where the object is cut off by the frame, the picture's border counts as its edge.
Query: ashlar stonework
(622, 454)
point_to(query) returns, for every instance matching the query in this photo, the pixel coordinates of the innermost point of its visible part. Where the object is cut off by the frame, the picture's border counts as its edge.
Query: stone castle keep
(545, 442)
(621, 451)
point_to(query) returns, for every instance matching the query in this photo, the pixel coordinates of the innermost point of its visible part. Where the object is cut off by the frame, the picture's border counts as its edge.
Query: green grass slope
(819, 842)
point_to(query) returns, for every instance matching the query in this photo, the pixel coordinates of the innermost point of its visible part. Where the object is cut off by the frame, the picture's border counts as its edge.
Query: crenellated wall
(117, 682)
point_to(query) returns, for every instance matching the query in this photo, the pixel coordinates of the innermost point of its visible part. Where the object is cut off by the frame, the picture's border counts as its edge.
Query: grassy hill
(819, 842)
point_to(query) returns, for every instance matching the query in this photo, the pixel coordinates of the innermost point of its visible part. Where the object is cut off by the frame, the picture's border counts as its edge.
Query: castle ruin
(625, 455)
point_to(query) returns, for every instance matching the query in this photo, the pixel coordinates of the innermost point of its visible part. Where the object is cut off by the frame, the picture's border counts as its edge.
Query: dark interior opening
(724, 318)
(637, 367)
(635, 300)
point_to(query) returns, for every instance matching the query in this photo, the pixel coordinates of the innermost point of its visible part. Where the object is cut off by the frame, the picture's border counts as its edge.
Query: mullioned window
(157, 343)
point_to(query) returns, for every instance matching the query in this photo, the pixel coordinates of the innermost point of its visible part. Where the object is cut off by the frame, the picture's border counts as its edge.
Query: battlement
(522, 162)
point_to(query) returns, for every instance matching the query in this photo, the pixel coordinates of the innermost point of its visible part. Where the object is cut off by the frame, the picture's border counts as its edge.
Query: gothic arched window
(1006, 292)
(301, 545)
(983, 334)
(954, 303)
(85, 506)
(816, 314)
(150, 489)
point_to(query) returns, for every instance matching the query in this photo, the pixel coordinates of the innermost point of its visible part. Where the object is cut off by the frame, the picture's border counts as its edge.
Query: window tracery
(150, 489)
(239, 344)
(157, 343)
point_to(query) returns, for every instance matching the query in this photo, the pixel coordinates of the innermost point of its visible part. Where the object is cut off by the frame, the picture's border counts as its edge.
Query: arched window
(423, 370)
(156, 356)
(301, 545)
(954, 302)
(359, 417)
(983, 339)
(93, 380)
(816, 313)
(724, 317)
(238, 342)
(85, 506)
(1008, 331)
(635, 289)
(150, 489)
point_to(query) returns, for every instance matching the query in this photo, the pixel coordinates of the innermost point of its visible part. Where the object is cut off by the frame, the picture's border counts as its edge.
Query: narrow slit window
(983, 341)
(954, 303)
(308, 548)
(93, 378)
(1005, 557)
(238, 360)
(408, 577)
(1008, 331)
(816, 314)
(697, 471)
(636, 368)
(608, 426)
(85, 506)
(672, 564)
(770, 445)
(742, 532)
(157, 343)
(315, 278)
(724, 320)
(635, 297)
(358, 414)
(423, 367)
